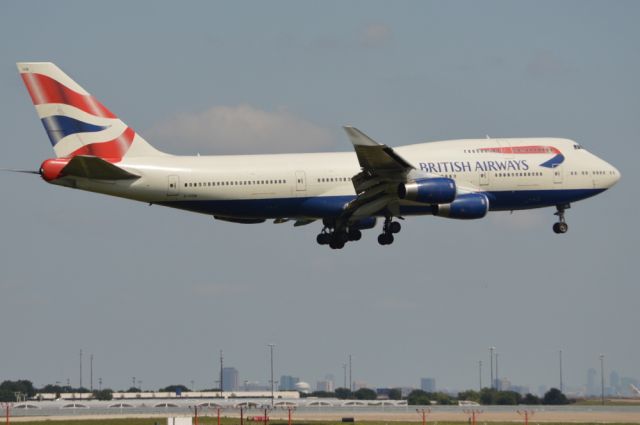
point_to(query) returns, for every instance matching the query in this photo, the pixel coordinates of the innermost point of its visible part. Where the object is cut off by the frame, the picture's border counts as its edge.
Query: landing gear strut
(388, 229)
(561, 226)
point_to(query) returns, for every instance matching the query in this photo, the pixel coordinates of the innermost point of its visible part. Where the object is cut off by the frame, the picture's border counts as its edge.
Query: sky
(155, 293)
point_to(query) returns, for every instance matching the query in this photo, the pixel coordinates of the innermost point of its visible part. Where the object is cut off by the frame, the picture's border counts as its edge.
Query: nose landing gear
(561, 226)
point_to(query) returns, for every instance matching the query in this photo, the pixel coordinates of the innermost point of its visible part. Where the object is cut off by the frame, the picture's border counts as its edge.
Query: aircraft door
(173, 186)
(484, 178)
(301, 181)
(558, 175)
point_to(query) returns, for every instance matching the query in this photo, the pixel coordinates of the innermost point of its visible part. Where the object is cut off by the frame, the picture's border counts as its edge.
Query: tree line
(487, 396)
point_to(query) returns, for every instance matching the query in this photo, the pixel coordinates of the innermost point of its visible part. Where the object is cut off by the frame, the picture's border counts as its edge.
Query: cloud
(545, 64)
(376, 35)
(217, 289)
(241, 129)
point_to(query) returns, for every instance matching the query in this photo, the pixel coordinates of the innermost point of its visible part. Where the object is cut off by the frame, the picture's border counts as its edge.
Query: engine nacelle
(436, 190)
(364, 224)
(466, 207)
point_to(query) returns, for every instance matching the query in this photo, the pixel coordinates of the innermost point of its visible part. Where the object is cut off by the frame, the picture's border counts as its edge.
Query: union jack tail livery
(75, 121)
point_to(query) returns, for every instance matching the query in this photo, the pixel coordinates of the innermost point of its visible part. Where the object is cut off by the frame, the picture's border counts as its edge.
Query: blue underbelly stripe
(332, 206)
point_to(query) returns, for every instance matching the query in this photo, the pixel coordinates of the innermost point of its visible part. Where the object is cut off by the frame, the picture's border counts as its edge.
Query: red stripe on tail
(43, 89)
(112, 151)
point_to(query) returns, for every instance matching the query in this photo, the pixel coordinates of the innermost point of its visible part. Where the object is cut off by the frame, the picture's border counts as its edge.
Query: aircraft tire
(394, 227)
(355, 235)
(385, 239)
(560, 227)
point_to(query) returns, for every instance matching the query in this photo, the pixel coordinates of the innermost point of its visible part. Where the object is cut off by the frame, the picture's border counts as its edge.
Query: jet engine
(465, 207)
(436, 190)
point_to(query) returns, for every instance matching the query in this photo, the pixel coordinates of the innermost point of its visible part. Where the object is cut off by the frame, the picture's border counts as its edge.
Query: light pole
(91, 373)
(350, 376)
(602, 377)
(81, 368)
(560, 358)
(271, 350)
(221, 375)
(497, 378)
(480, 375)
(344, 370)
(491, 363)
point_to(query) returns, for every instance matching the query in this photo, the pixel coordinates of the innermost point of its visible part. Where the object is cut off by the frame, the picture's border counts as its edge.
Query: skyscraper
(230, 379)
(288, 382)
(428, 385)
(325, 385)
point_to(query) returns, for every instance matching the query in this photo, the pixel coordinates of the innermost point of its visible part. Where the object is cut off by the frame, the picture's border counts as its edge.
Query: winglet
(358, 138)
(374, 156)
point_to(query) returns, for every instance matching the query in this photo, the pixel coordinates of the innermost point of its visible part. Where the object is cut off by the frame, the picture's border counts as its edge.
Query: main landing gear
(561, 226)
(335, 238)
(389, 228)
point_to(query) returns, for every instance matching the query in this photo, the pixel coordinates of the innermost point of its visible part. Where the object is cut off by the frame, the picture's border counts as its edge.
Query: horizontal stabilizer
(93, 167)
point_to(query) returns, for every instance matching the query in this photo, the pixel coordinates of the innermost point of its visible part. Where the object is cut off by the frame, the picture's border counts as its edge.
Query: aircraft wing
(377, 184)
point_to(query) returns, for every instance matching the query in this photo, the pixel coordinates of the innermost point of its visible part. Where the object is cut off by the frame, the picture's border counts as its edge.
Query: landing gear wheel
(355, 235)
(385, 239)
(336, 244)
(560, 227)
(323, 238)
(341, 237)
(394, 227)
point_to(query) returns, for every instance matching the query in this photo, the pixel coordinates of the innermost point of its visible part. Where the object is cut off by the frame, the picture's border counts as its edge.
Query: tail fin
(76, 122)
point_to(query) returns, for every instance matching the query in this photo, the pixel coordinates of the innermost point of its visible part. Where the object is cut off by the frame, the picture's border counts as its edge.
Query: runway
(540, 414)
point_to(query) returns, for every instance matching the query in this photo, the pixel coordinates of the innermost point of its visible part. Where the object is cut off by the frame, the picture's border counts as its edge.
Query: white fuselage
(510, 171)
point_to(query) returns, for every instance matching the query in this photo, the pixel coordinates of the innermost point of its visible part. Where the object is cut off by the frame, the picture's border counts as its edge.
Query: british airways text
(468, 166)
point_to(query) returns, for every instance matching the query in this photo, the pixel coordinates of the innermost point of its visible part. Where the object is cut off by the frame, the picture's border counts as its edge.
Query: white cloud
(217, 289)
(241, 129)
(376, 35)
(544, 63)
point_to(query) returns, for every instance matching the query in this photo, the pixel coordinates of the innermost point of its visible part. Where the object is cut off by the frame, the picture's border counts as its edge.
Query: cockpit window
(577, 146)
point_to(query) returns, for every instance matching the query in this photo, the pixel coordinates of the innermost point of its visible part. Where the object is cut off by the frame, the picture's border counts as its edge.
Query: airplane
(346, 191)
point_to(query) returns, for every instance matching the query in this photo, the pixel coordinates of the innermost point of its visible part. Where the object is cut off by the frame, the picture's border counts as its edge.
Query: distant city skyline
(615, 384)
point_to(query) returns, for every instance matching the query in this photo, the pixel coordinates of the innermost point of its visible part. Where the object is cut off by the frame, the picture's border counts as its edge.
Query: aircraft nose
(614, 175)
(617, 174)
